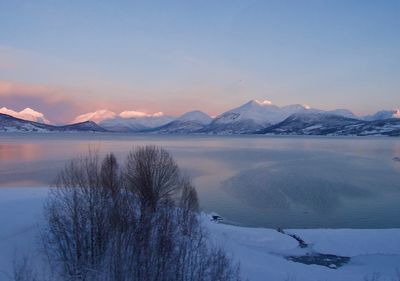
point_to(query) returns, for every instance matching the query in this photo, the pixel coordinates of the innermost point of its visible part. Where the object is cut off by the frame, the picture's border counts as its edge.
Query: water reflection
(19, 152)
(295, 188)
(288, 182)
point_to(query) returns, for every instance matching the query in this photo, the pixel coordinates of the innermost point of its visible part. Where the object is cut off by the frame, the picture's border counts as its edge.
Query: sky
(66, 58)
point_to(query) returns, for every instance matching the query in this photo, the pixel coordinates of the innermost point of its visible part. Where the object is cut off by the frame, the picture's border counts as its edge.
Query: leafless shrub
(152, 174)
(103, 226)
(189, 200)
(78, 218)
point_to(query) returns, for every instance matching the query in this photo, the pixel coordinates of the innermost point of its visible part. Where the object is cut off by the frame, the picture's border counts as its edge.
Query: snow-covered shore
(261, 252)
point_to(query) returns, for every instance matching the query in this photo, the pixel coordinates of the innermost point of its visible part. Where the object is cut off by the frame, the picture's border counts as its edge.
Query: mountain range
(9, 123)
(253, 117)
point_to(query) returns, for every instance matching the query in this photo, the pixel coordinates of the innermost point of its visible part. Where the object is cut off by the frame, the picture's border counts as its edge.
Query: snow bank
(261, 252)
(353, 242)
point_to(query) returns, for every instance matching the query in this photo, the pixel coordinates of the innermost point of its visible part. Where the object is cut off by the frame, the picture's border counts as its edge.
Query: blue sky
(69, 57)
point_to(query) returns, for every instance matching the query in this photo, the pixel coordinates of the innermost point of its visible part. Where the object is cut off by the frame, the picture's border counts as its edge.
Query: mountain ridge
(9, 123)
(252, 117)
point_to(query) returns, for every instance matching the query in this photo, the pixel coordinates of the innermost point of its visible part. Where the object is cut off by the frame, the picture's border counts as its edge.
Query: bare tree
(78, 218)
(152, 174)
(110, 174)
(107, 227)
(189, 199)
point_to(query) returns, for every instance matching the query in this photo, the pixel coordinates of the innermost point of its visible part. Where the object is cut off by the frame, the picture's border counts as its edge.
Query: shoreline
(262, 253)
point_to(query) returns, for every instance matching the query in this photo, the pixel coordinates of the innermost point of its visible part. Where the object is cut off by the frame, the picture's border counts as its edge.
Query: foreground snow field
(261, 252)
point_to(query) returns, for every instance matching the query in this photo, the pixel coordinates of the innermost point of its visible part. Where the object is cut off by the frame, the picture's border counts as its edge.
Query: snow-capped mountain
(26, 114)
(248, 117)
(256, 115)
(126, 121)
(253, 116)
(195, 116)
(342, 112)
(307, 123)
(190, 122)
(9, 123)
(383, 114)
(97, 116)
(137, 124)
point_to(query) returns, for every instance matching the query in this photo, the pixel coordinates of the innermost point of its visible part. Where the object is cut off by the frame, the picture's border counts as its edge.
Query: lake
(289, 182)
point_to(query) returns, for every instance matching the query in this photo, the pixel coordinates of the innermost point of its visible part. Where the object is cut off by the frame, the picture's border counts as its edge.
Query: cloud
(49, 99)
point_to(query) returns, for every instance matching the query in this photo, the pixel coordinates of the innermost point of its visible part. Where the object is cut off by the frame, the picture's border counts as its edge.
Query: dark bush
(137, 222)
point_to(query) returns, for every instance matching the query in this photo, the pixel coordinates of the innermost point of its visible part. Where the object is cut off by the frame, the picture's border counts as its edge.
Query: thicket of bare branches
(136, 222)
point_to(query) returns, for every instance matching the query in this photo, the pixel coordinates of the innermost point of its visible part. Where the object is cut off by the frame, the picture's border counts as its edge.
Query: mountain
(9, 123)
(309, 124)
(246, 118)
(135, 124)
(97, 116)
(26, 114)
(383, 114)
(330, 124)
(343, 112)
(126, 121)
(87, 126)
(190, 122)
(386, 127)
(255, 116)
(251, 116)
(196, 116)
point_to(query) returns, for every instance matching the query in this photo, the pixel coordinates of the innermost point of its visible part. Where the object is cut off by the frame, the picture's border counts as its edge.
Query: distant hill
(333, 125)
(12, 124)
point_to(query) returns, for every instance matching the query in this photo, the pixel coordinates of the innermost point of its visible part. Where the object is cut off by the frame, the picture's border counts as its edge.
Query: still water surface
(290, 182)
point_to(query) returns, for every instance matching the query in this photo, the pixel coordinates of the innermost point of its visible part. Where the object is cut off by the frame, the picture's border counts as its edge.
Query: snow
(135, 124)
(138, 114)
(266, 113)
(343, 112)
(126, 120)
(97, 116)
(196, 116)
(383, 114)
(26, 114)
(261, 252)
(104, 115)
(353, 242)
(260, 112)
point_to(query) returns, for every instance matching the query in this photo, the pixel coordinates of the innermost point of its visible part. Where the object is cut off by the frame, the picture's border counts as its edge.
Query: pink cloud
(62, 104)
(52, 101)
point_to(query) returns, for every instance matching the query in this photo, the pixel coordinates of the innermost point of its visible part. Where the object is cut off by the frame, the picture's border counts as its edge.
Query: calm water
(291, 182)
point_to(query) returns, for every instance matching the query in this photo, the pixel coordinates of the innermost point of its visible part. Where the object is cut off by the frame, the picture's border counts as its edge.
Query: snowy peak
(258, 103)
(139, 114)
(253, 114)
(26, 114)
(126, 121)
(196, 116)
(255, 105)
(384, 114)
(343, 112)
(129, 122)
(258, 112)
(9, 123)
(190, 122)
(97, 116)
